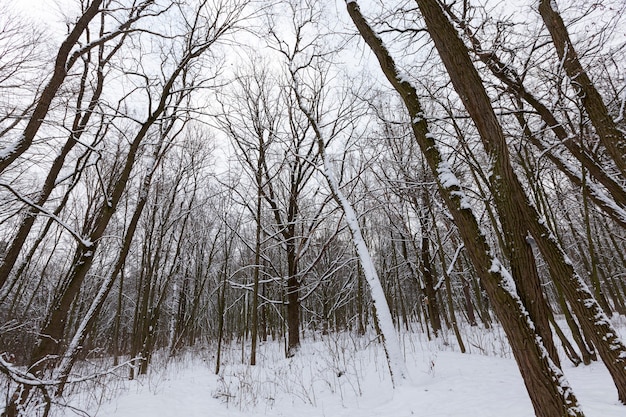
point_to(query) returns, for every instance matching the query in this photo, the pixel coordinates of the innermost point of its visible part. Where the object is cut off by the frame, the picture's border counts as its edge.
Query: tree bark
(508, 194)
(512, 200)
(550, 393)
(610, 136)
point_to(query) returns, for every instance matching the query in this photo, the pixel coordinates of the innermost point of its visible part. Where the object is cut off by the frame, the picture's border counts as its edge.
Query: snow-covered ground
(345, 376)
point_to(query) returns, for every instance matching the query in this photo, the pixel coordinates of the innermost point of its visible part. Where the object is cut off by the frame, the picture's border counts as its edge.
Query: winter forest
(299, 206)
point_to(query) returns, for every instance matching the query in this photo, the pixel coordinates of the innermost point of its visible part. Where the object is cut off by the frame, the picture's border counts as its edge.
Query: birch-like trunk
(393, 352)
(391, 345)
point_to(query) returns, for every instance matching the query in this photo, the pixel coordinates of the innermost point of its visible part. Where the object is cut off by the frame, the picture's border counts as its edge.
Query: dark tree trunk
(469, 306)
(257, 265)
(431, 300)
(610, 136)
(543, 380)
(513, 202)
(507, 192)
(293, 302)
(61, 68)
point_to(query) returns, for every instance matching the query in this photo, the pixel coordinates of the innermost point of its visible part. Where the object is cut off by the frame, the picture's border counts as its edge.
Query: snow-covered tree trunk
(517, 215)
(611, 137)
(393, 352)
(549, 391)
(395, 359)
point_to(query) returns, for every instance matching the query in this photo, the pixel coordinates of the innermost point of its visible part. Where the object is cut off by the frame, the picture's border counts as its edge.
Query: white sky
(44, 10)
(47, 14)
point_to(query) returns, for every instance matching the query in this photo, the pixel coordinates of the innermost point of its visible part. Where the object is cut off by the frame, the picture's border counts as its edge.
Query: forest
(186, 175)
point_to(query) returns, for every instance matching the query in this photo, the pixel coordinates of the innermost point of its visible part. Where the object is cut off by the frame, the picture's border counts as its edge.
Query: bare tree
(610, 136)
(20, 59)
(165, 102)
(554, 396)
(70, 51)
(510, 196)
(79, 126)
(613, 203)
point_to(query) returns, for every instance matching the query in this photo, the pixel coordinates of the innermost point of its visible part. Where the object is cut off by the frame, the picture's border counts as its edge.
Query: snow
(622, 109)
(446, 176)
(507, 282)
(385, 321)
(553, 6)
(346, 376)
(448, 179)
(10, 149)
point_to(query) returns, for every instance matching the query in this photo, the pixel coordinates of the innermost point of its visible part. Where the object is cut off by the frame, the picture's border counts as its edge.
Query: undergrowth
(333, 365)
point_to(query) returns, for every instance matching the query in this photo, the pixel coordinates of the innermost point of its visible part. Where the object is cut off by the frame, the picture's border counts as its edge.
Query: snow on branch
(26, 378)
(83, 241)
(450, 267)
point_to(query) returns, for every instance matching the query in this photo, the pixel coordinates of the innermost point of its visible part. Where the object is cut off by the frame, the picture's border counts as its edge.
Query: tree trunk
(431, 300)
(469, 306)
(383, 317)
(61, 69)
(507, 192)
(257, 264)
(550, 393)
(610, 136)
(512, 200)
(78, 128)
(293, 300)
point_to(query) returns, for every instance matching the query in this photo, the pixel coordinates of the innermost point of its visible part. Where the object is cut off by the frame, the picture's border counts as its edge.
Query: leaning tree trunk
(79, 125)
(612, 205)
(507, 192)
(510, 197)
(549, 391)
(62, 65)
(609, 134)
(393, 352)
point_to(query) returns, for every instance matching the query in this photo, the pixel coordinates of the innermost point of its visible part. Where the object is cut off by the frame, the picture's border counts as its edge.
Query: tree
(395, 360)
(553, 396)
(66, 57)
(166, 93)
(88, 97)
(20, 58)
(613, 203)
(610, 136)
(511, 198)
(252, 134)
(275, 141)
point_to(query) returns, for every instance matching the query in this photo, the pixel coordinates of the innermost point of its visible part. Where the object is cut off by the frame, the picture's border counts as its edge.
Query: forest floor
(343, 376)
